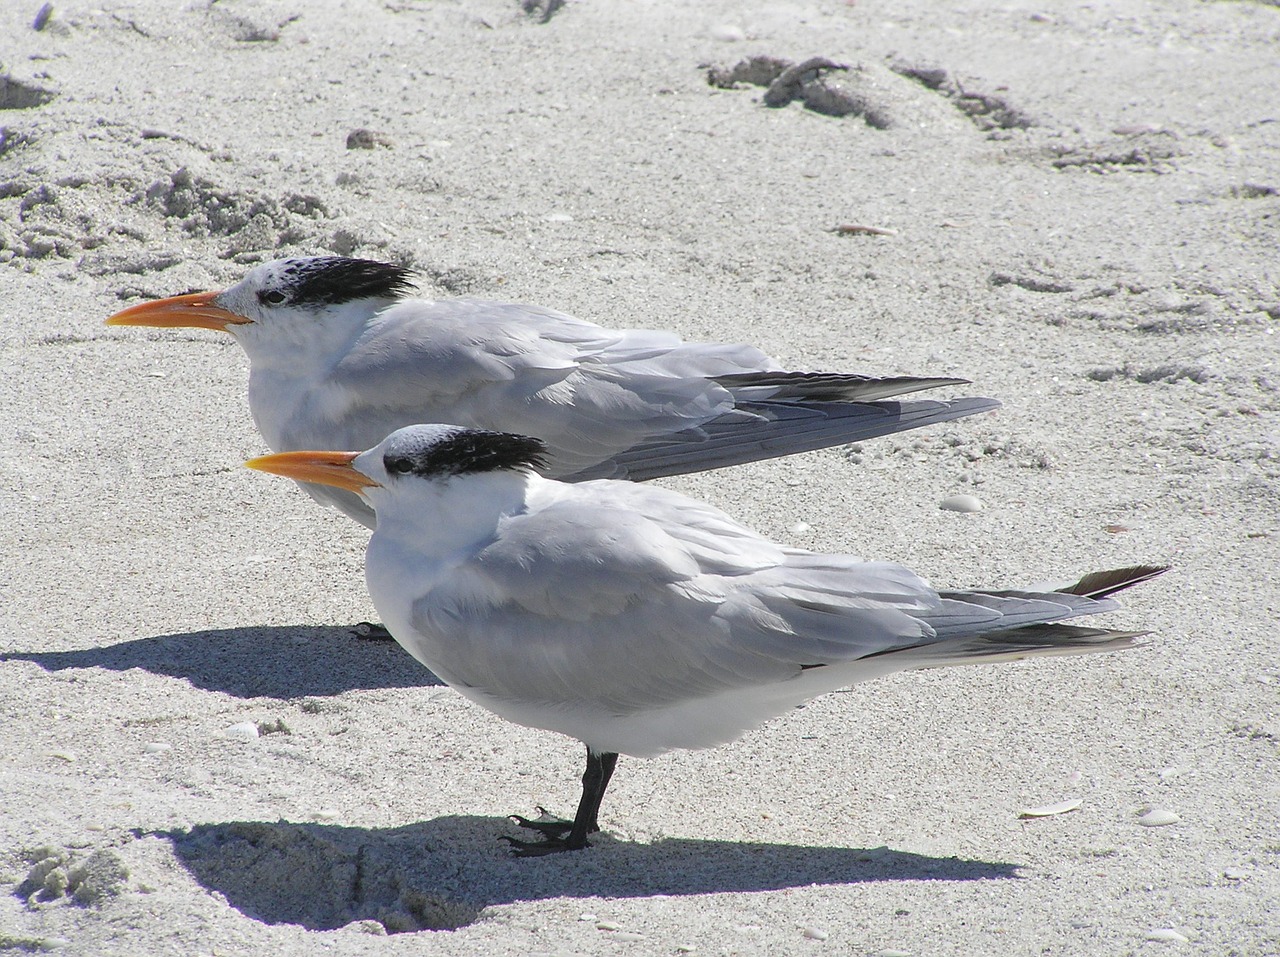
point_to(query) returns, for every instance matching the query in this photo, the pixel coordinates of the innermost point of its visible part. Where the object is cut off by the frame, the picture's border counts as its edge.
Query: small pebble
(326, 815)
(557, 218)
(1235, 874)
(586, 917)
(64, 755)
(365, 139)
(155, 747)
(686, 948)
(53, 943)
(960, 503)
(799, 528)
(893, 953)
(607, 925)
(371, 927)
(727, 33)
(1048, 810)
(1158, 817)
(815, 933)
(242, 731)
(1167, 934)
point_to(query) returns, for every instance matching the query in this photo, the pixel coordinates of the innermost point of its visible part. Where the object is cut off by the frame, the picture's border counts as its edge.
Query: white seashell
(1048, 810)
(815, 933)
(1158, 817)
(155, 747)
(242, 731)
(960, 503)
(1167, 934)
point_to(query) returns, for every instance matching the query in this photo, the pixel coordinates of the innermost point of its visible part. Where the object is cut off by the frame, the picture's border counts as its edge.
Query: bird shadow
(261, 661)
(442, 873)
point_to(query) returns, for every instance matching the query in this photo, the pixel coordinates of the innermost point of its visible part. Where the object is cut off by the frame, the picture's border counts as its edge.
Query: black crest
(464, 452)
(330, 280)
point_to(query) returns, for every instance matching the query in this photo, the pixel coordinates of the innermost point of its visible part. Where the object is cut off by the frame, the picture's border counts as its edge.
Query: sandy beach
(1074, 206)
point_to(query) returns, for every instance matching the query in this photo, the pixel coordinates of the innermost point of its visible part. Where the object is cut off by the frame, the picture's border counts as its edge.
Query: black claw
(521, 848)
(371, 631)
(548, 825)
(561, 835)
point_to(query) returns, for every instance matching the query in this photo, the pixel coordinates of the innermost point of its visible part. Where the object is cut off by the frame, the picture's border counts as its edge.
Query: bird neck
(452, 518)
(306, 346)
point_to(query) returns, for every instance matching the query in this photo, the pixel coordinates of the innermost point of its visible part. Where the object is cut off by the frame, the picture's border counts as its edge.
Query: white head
(288, 303)
(410, 460)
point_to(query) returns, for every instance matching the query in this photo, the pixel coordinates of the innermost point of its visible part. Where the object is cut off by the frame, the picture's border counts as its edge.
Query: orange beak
(196, 311)
(323, 468)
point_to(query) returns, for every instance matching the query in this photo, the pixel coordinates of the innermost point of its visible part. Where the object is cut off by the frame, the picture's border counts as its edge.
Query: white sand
(1118, 291)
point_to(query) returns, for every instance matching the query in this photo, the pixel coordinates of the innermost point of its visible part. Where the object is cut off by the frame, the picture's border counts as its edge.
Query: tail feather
(825, 386)
(1101, 584)
(987, 626)
(765, 430)
(1030, 641)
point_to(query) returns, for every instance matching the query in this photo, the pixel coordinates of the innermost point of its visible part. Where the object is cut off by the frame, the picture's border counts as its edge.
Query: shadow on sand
(264, 661)
(440, 874)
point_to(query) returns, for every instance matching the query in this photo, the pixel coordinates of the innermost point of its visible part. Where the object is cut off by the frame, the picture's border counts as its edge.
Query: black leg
(601, 765)
(561, 835)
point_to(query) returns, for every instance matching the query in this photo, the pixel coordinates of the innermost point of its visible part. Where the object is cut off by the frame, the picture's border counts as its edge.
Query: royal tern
(340, 356)
(638, 620)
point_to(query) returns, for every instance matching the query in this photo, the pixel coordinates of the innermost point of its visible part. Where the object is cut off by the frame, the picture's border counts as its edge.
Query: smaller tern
(340, 355)
(638, 620)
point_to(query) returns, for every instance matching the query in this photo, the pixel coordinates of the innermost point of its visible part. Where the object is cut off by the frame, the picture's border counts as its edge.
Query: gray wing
(623, 404)
(630, 598)
(645, 599)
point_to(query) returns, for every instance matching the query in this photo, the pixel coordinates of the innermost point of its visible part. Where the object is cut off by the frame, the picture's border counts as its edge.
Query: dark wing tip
(1102, 584)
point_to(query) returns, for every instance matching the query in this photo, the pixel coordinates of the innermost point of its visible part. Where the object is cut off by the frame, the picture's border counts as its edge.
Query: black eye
(271, 297)
(401, 466)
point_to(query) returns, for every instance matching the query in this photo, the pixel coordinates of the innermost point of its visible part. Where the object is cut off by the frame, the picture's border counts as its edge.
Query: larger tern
(340, 356)
(638, 620)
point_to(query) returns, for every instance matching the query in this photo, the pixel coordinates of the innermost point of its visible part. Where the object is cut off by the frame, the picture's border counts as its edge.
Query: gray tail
(990, 626)
(824, 386)
(1102, 584)
(1029, 641)
(764, 430)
